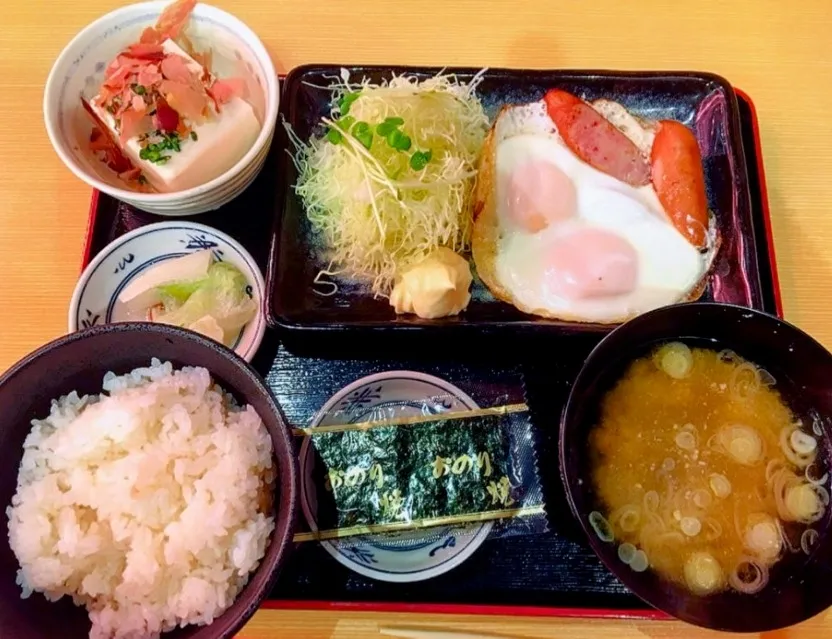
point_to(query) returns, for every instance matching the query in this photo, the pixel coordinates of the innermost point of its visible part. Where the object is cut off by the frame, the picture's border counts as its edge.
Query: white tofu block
(220, 143)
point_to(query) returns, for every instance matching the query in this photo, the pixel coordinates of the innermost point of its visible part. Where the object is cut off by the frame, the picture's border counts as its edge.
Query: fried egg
(560, 239)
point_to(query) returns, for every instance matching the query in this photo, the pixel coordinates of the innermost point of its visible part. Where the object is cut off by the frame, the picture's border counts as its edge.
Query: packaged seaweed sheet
(398, 472)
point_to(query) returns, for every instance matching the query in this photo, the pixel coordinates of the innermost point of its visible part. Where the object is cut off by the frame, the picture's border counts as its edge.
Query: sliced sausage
(595, 140)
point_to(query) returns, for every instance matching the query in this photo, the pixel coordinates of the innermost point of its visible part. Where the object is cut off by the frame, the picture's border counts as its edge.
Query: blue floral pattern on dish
(360, 555)
(360, 398)
(123, 262)
(90, 319)
(449, 542)
(200, 242)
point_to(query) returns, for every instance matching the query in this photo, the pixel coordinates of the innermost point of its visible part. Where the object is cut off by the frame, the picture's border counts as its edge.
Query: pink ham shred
(138, 103)
(174, 18)
(134, 123)
(150, 36)
(190, 103)
(224, 90)
(175, 67)
(149, 76)
(130, 174)
(143, 51)
(117, 76)
(99, 141)
(204, 58)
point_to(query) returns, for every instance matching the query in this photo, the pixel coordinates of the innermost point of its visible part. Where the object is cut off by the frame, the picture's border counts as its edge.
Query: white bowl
(79, 71)
(95, 298)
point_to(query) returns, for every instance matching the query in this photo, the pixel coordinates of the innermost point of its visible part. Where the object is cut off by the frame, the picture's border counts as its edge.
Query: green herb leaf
(138, 89)
(384, 129)
(419, 160)
(389, 125)
(365, 138)
(398, 140)
(346, 101)
(362, 132)
(334, 136)
(346, 122)
(194, 136)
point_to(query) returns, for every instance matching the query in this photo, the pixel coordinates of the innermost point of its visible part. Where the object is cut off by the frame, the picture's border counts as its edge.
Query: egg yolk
(591, 262)
(539, 193)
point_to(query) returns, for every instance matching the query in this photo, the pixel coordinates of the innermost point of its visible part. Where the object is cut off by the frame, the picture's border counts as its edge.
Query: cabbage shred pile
(391, 178)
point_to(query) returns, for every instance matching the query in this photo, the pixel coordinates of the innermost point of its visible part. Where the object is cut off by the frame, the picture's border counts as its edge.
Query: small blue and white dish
(95, 300)
(397, 557)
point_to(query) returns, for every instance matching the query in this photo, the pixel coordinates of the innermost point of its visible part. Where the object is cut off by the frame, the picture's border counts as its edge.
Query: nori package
(397, 472)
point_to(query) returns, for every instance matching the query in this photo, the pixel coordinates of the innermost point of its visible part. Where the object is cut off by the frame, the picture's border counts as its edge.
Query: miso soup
(704, 473)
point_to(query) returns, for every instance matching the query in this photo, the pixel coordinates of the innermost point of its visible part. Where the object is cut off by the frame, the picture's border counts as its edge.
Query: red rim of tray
(496, 610)
(761, 180)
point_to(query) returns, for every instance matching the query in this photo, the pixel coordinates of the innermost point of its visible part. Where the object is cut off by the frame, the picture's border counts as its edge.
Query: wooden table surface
(779, 52)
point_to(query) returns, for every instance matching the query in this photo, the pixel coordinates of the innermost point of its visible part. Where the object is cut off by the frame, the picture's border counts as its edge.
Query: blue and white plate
(406, 556)
(95, 300)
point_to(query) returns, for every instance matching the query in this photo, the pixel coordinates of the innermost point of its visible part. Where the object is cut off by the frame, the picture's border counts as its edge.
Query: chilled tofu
(142, 292)
(215, 147)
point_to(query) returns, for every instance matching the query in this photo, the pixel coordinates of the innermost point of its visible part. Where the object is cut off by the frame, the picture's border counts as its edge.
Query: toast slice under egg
(488, 231)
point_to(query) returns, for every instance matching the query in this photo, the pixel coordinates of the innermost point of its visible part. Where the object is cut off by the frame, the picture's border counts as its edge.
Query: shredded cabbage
(221, 294)
(391, 178)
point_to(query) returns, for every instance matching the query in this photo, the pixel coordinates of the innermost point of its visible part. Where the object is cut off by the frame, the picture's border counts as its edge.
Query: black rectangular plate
(553, 570)
(705, 102)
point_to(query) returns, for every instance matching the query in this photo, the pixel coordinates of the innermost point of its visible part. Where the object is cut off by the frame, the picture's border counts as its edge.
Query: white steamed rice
(145, 505)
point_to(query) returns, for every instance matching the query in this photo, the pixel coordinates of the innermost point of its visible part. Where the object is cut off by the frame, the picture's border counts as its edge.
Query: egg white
(669, 267)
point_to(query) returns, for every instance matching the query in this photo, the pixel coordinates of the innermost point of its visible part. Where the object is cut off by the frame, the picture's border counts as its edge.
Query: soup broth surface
(703, 470)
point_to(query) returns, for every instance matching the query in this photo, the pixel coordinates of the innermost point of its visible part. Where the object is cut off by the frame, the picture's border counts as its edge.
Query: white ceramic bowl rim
(266, 130)
(247, 348)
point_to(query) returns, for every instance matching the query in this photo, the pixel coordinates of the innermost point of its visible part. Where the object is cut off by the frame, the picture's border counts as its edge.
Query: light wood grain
(779, 52)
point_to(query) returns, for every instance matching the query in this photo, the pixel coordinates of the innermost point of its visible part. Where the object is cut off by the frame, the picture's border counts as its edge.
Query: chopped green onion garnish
(194, 136)
(138, 89)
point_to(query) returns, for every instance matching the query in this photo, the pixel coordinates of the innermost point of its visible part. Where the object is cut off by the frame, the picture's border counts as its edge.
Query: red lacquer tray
(549, 575)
